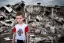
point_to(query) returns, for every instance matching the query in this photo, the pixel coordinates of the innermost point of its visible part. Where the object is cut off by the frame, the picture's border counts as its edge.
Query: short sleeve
(26, 29)
(14, 30)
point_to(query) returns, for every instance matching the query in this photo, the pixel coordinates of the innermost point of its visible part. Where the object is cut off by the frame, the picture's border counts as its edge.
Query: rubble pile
(46, 23)
(7, 17)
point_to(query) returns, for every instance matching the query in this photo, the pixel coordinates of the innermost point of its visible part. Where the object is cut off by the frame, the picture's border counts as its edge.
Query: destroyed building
(46, 23)
(7, 20)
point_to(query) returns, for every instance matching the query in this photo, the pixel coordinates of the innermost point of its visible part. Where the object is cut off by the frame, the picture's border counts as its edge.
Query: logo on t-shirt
(20, 32)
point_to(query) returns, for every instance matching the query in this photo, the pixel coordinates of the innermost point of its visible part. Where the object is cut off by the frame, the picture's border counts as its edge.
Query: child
(20, 31)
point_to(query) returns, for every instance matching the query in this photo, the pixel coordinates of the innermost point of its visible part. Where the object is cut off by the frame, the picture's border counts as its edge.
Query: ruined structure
(46, 23)
(7, 20)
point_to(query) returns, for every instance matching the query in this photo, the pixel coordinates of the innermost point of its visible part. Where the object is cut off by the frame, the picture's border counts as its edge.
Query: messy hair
(20, 13)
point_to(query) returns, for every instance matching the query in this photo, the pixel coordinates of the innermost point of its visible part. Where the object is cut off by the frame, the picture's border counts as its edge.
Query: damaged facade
(46, 23)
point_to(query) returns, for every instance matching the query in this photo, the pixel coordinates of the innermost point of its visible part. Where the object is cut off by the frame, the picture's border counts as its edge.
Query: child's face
(19, 19)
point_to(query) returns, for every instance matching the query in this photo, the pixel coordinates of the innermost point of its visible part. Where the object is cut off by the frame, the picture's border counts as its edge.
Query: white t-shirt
(20, 31)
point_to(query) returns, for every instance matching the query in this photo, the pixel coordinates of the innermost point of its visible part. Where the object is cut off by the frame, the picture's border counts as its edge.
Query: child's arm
(27, 37)
(13, 37)
(14, 33)
(26, 32)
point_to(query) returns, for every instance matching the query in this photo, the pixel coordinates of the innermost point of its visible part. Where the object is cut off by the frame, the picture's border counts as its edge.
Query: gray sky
(28, 2)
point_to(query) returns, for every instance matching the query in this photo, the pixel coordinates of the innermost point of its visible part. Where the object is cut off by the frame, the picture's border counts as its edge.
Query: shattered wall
(46, 23)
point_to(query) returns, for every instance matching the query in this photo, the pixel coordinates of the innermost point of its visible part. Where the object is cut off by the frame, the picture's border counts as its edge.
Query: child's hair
(20, 13)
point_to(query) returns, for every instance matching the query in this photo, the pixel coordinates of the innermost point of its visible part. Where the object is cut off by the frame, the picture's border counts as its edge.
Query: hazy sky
(28, 2)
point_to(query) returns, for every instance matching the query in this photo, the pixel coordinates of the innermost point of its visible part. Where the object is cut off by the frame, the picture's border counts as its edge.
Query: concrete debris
(46, 23)
(9, 9)
(7, 20)
(7, 38)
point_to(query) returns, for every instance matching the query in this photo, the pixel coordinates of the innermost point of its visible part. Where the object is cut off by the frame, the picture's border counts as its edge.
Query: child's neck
(20, 23)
